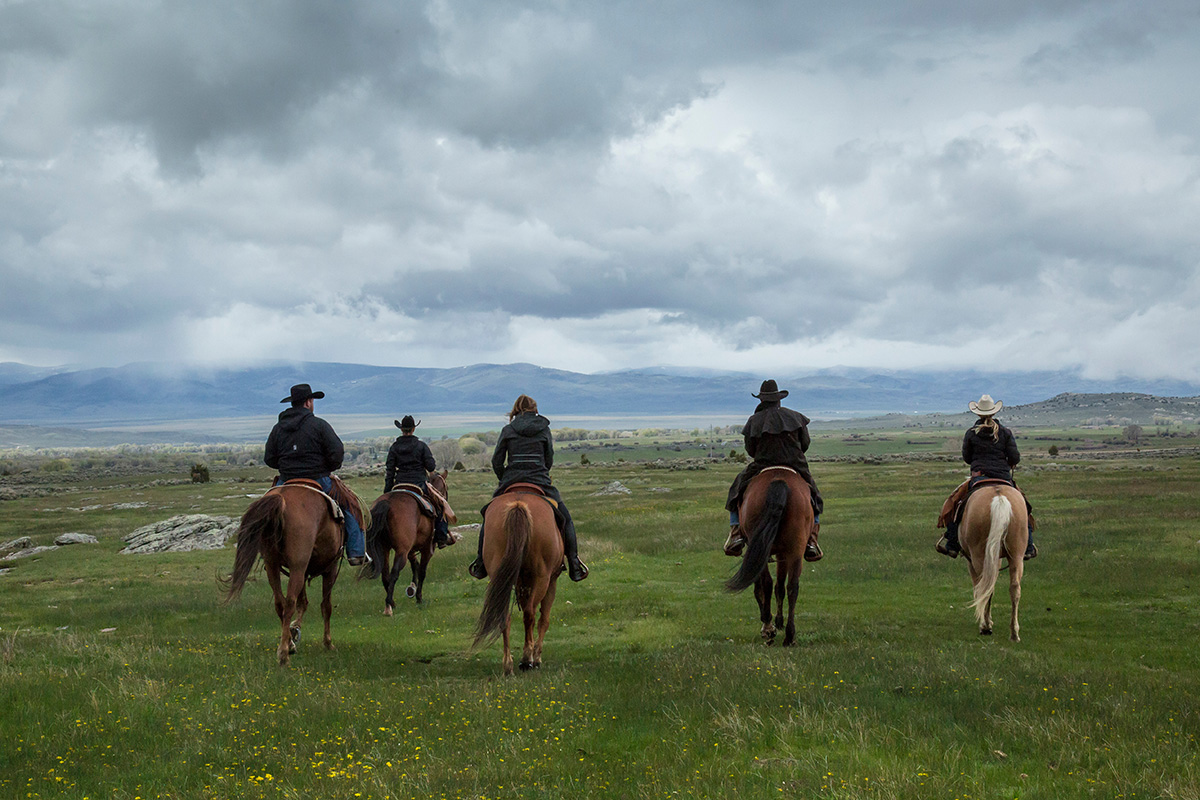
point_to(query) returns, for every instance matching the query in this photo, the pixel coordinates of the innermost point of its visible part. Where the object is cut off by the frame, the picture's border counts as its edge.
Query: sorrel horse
(995, 525)
(523, 553)
(777, 512)
(293, 529)
(399, 528)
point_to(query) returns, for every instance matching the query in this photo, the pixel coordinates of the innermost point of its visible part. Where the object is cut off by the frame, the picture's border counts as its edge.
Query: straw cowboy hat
(985, 406)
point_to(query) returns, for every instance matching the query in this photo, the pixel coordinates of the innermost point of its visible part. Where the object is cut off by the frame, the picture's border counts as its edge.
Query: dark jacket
(994, 459)
(408, 461)
(302, 445)
(524, 452)
(777, 437)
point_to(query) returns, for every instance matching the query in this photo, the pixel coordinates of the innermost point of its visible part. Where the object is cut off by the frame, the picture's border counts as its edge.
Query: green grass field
(122, 676)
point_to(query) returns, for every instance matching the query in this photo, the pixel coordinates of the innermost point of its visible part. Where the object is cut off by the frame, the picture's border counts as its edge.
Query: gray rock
(616, 487)
(16, 544)
(75, 538)
(28, 551)
(182, 533)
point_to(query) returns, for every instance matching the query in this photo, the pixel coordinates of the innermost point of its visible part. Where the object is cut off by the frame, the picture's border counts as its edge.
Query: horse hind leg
(543, 624)
(1015, 569)
(390, 577)
(506, 659)
(793, 592)
(762, 594)
(327, 581)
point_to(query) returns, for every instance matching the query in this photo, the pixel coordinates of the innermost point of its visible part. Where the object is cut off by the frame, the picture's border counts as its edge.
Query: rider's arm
(498, 457)
(548, 450)
(271, 453)
(427, 458)
(1011, 454)
(389, 479)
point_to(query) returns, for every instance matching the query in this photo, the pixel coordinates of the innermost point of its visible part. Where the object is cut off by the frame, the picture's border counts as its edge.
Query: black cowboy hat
(407, 424)
(302, 392)
(769, 391)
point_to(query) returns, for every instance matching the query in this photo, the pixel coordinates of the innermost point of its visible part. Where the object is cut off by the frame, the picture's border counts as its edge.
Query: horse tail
(762, 541)
(262, 520)
(1001, 512)
(518, 527)
(378, 537)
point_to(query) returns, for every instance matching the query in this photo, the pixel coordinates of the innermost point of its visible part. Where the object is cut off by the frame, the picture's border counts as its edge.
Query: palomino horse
(398, 526)
(995, 525)
(523, 553)
(293, 528)
(777, 512)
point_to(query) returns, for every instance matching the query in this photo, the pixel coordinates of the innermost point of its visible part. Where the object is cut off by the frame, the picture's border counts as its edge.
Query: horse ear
(445, 472)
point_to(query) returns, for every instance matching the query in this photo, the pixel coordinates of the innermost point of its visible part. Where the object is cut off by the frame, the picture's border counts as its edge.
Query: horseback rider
(524, 454)
(775, 437)
(409, 461)
(302, 445)
(991, 451)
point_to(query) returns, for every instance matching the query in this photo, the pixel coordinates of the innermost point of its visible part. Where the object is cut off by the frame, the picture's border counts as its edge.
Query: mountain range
(155, 392)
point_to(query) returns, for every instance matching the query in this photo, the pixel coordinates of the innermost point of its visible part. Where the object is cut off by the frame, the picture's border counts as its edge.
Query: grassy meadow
(123, 676)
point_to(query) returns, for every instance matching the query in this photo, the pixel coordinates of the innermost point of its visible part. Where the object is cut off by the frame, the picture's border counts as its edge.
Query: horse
(292, 527)
(995, 525)
(777, 511)
(523, 553)
(398, 526)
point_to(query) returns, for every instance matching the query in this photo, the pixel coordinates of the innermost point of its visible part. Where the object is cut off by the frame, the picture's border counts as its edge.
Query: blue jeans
(356, 546)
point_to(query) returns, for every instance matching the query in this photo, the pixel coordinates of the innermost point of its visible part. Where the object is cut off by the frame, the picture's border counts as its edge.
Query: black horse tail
(762, 540)
(518, 527)
(262, 520)
(378, 536)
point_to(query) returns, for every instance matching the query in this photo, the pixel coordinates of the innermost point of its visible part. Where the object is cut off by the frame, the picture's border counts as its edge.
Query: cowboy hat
(985, 406)
(407, 424)
(300, 393)
(769, 391)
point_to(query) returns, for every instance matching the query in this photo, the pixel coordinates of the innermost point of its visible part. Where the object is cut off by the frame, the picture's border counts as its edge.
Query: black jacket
(408, 461)
(525, 451)
(302, 445)
(777, 437)
(995, 459)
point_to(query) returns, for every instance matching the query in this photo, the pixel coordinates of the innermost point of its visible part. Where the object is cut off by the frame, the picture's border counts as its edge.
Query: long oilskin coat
(775, 437)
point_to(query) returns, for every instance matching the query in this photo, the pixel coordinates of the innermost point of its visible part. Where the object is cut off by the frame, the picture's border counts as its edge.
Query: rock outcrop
(182, 533)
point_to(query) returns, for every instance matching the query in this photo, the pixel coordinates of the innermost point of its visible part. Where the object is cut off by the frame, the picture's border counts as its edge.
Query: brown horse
(293, 529)
(995, 525)
(777, 511)
(399, 527)
(523, 553)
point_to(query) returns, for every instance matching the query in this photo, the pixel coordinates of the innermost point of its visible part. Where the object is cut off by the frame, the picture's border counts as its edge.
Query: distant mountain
(161, 392)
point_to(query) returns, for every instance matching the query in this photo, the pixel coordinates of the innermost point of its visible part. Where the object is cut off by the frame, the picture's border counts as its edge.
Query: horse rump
(518, 528)
(762, 540)
(263, 521)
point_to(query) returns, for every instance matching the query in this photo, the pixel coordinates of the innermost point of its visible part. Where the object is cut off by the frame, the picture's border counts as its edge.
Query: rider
(775, 437)
(991, 450)
(524, 454)
(409, 461)
(302, 445)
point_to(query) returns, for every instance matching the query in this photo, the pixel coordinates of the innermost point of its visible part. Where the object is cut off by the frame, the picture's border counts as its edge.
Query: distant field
(655, 683)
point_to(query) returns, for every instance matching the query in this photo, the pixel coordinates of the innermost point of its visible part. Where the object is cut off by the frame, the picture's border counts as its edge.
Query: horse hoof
(292, 649)
(528, 665)
(295, 632)
(387, 611)
(411, 591)
(986, 632)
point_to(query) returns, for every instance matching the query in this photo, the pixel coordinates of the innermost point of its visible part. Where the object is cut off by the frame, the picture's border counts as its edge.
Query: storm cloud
(596, 186)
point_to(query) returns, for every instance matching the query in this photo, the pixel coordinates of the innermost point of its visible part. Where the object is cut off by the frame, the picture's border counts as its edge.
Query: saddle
(305, 483)
(414, 491)
(952, 509)
(534, 489)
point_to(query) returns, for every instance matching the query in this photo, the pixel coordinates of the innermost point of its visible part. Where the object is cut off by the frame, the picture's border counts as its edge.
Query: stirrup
(582, 573)
(943, 547)
(813, 552)
(1030, 552)
(735, 543)
(476, 570)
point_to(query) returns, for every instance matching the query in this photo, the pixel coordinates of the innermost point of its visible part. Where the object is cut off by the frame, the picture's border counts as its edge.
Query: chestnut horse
(399, 527)
(995, 525)
(293, 529)
(523, 553)
(777, 512)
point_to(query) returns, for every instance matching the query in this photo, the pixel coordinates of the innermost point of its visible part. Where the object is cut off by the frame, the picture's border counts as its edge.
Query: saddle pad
(414, 492)
(313, 486)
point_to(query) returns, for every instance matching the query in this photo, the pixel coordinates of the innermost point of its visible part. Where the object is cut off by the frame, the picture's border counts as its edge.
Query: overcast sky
(592, 186)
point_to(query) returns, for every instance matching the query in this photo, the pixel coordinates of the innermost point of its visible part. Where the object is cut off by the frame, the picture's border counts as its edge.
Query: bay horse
(776, 511)
(293, 529)
(400, 531)
(995, 525)
(523, 553)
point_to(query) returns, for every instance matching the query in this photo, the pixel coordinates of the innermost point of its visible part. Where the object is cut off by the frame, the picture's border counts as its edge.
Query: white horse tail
(1001, 512)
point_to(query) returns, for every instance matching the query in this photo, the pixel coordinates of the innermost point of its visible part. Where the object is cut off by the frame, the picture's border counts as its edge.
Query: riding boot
(575, 568)
(441, 533)
(948, 544)
(736, 541)
(812, 552)
(477, 570)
